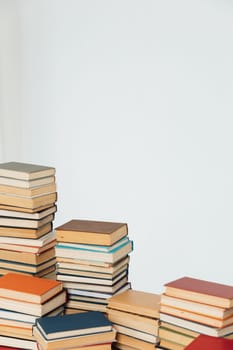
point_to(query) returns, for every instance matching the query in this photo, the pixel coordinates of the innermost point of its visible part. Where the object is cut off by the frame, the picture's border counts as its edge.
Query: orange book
(137, 302)
(28, 288)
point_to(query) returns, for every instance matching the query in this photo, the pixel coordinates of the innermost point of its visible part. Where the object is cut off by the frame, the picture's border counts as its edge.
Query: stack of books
(190, 307)
(135, 316)
(92, 262)
(23, 299)
(27, 208)
(90, 330)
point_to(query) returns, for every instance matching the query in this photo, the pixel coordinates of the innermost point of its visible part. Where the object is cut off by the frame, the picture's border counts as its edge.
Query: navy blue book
(72, 325)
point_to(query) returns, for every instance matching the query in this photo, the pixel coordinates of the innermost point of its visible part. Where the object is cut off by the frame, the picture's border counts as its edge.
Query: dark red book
(207, 342)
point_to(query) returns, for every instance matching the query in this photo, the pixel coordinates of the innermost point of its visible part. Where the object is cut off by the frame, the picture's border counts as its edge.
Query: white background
(132, 102)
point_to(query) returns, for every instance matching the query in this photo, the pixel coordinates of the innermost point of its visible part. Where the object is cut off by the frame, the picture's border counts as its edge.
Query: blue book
(73, 325)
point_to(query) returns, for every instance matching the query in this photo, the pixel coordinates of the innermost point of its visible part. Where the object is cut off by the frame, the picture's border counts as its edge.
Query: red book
(207, 342)
(201, 291)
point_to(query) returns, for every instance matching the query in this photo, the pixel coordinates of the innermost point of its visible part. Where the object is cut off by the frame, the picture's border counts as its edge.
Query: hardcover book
(207, 342)
(91, 232)
(25, 171)
(28, 288)
(138, 302)
(201, 291)
(73, 325)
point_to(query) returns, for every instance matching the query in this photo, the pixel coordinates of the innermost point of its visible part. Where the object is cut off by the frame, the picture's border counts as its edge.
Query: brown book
(174, 336)
(178, 329)
(199, 308)
(25, 171)
(17, 343)
(19, 232)
(14, 266)
(28, 202)
(138, 302)
(91, 232)
(135, 333)
(25, 223)
(201, 291)
(24, 215)
(25, 210)
(167, 344)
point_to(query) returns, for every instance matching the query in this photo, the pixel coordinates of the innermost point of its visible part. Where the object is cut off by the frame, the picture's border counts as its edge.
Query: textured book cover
(207, 342)
(73, 324)
(25, 171)
(28, 288)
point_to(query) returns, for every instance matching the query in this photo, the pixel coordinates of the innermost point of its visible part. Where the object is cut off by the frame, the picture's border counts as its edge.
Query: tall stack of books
(92, 262)
(135, 316)
(23, 299)
(27, 208)
(89, 330)
(190, 307)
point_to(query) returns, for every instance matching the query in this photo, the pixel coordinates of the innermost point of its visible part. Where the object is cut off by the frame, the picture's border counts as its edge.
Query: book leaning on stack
(23, 300)
(90, 330)
(190, 307)
(135, 316)
(27, 208)
(92, 262)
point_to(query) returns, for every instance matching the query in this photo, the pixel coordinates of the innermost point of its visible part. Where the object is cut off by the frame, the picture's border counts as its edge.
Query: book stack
(27, 208)
(92, 262)
(190, 307)
(23, 299)
(90, 330)
(135, 316)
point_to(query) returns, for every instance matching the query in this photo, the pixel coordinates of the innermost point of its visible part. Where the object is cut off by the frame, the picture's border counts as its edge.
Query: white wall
(131, 101)
(10, 133)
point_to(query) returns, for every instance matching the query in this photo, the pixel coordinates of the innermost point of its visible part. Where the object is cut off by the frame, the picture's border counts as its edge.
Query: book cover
(91, 232)
(200, 290)
(142, 303)
(73, 324)
(208, 342)
(29, 288)
(25, 171)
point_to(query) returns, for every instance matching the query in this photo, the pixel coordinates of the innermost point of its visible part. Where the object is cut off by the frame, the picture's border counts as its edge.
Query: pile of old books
(23, 299)
(92, 262)
(89, 330)
(27, 207)
(190, 307)
(135, 316)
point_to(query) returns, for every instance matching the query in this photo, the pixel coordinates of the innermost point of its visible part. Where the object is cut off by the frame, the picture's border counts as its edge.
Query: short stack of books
(27, 208)
(135, 316)
(92, 262)
(190, 307)
(23, 299)
(90, 330)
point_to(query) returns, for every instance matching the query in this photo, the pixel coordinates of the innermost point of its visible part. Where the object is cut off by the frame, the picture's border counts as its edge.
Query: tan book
(192, 316)
(13, 266)
(179, 329)
(28, 192)
(201, 291)
(150, 338)
(195, 326)
(18, 343)
(19, 232)
(73, 342)
(74, 304)
(134, 342)
(43, 181)
(142, 323)
(25, 171)
(175, 336)
(25, 223)
(167, 344)
(25, 210)
(91, 232)
(28, 202)
(200, 308)
(27, 258)
(24, 215)
(138, 302)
